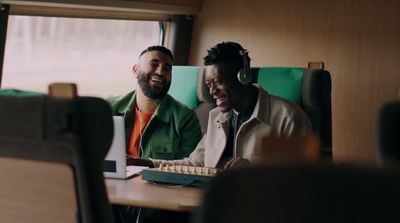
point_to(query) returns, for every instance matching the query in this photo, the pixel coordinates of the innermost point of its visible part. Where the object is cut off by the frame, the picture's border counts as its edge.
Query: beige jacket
(271, 115)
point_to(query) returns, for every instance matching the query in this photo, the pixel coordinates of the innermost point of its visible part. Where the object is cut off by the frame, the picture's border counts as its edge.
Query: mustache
(158, 76)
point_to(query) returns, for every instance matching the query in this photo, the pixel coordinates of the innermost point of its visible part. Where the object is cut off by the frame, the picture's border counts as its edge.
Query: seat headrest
(21, 117)
(316, 81)
(43, 118)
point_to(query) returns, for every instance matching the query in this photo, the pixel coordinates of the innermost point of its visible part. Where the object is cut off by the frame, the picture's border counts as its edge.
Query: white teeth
(157, 79)
(218, 101)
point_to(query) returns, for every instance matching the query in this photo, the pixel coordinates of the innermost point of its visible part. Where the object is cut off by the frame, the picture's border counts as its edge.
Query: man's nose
(212, 89)
(159, 70)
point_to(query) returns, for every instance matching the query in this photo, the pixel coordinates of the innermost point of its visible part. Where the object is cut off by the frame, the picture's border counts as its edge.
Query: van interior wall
(358, 40)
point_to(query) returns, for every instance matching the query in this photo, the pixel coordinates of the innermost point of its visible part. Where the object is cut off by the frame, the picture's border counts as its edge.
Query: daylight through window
(96, 54)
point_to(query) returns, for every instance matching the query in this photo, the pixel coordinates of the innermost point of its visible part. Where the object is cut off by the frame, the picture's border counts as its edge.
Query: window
(96, 54)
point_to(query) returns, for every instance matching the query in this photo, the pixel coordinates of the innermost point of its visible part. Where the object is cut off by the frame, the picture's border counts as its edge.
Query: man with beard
(156, 125)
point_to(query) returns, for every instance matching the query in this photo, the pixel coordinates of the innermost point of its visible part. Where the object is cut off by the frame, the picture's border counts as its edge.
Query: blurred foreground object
(63, 90)
(296, 148)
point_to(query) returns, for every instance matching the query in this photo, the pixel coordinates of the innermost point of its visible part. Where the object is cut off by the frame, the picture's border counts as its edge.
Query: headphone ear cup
(244, 77)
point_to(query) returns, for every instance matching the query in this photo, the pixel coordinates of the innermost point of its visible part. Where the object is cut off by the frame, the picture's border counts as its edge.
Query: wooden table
(139, 193)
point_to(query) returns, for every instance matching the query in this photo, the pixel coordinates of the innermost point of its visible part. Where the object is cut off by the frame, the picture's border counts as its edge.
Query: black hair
(225, 52)
(158, 48)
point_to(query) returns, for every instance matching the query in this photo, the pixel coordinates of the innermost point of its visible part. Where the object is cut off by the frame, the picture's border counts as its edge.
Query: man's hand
(236, 162)
(139, 162)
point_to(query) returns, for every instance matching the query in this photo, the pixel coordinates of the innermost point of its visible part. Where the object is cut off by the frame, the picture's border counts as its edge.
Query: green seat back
(282, 81)
(184, 85)
(19, 93)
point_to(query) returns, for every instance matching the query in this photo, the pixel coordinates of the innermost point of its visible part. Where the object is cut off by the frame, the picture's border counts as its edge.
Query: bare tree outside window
(96, 54)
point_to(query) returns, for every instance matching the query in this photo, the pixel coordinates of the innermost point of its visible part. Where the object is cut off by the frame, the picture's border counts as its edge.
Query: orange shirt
(140, 122)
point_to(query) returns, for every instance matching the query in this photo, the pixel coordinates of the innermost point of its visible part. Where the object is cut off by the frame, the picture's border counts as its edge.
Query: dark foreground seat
(51, 158)
(303, 193)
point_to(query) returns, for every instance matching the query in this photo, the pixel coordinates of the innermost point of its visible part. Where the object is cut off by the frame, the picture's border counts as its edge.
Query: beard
(149, 90)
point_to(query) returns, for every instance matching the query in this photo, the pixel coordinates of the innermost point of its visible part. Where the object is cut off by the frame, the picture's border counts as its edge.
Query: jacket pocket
(167, 150)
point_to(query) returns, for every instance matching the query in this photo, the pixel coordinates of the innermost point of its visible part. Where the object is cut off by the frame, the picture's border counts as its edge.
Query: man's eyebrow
(155, 60)
(158, 61)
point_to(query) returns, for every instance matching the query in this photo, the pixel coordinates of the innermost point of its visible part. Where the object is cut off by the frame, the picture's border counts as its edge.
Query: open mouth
(157, 80)
(219, 101)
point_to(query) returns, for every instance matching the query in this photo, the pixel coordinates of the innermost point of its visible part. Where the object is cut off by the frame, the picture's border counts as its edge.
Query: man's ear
(135, 70)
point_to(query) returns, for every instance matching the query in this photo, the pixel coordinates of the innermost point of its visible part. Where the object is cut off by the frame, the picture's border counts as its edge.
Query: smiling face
(154, 73)
(224, 86)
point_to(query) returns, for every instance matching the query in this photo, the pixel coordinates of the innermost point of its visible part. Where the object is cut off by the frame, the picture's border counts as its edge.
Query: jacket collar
(261, 110)
(162, 112)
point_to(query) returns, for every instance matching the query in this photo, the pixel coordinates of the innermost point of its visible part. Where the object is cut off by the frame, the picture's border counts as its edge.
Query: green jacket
(172, 132)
